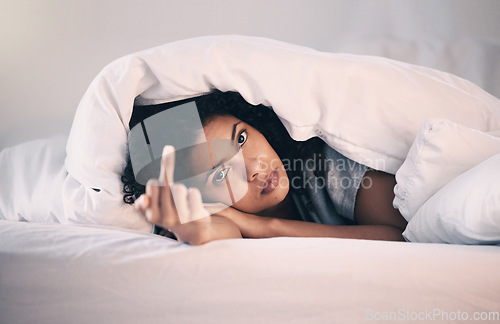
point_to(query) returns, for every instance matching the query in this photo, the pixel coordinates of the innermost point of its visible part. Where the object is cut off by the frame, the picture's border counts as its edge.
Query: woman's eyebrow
(234, 131)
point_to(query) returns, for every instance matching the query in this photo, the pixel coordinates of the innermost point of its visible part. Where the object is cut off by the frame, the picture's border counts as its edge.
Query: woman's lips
(271, 182)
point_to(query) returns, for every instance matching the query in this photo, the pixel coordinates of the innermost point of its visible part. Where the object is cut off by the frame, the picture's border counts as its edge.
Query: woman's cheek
(237, 187)
(229, 191)
(216, 195)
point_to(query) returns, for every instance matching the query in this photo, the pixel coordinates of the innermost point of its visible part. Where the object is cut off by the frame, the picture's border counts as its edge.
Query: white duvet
(368, 108)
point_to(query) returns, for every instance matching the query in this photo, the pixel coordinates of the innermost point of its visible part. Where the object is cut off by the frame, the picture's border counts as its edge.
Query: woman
(323, 195)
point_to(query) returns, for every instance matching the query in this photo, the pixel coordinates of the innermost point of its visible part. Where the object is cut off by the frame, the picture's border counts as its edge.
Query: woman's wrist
(257, 226)
(205, 230)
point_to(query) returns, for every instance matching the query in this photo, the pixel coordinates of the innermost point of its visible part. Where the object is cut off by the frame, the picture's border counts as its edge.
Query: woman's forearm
(284, 227)
(253, 226)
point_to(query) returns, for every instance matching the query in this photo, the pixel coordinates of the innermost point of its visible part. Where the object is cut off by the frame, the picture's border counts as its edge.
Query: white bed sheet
(55, 273)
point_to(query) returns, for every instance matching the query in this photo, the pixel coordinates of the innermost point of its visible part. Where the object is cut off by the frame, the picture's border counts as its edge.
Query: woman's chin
(274, 200)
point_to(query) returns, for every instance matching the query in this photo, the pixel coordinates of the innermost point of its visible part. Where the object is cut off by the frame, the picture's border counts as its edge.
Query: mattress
(55, 273)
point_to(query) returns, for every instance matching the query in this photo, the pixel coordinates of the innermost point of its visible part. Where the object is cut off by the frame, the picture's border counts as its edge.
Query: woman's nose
(255, 169)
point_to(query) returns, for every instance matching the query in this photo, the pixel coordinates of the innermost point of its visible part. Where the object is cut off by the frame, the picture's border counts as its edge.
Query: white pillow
(441, 151)
(464, 211)
(32, 176)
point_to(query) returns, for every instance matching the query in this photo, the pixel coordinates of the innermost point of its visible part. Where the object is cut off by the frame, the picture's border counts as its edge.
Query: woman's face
(244, 171)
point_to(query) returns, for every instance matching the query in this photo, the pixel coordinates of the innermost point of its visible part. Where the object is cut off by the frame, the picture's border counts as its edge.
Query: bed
(80, 274)
(89, 258)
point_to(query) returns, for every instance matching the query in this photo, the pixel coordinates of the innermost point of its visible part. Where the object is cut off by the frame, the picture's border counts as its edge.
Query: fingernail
(167, 149)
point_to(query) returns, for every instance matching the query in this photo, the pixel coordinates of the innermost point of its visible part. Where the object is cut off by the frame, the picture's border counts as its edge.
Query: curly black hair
(218, 103)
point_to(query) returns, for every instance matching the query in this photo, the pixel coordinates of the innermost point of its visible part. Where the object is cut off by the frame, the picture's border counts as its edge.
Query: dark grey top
(330, 195)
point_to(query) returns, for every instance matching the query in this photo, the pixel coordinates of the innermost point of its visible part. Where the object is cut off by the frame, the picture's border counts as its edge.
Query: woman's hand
(180, 209)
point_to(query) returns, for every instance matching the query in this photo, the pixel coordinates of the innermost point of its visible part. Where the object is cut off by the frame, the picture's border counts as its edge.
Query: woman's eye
(242, 137)
(221, 175)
